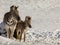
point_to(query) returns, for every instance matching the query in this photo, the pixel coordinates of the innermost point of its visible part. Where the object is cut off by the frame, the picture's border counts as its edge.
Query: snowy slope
(45, 19)
(46, 13)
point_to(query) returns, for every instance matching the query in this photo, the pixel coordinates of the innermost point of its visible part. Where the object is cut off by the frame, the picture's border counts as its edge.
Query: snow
(45, 21)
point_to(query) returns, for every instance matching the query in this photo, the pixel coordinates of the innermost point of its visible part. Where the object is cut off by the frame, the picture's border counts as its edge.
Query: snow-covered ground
(45, 20)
